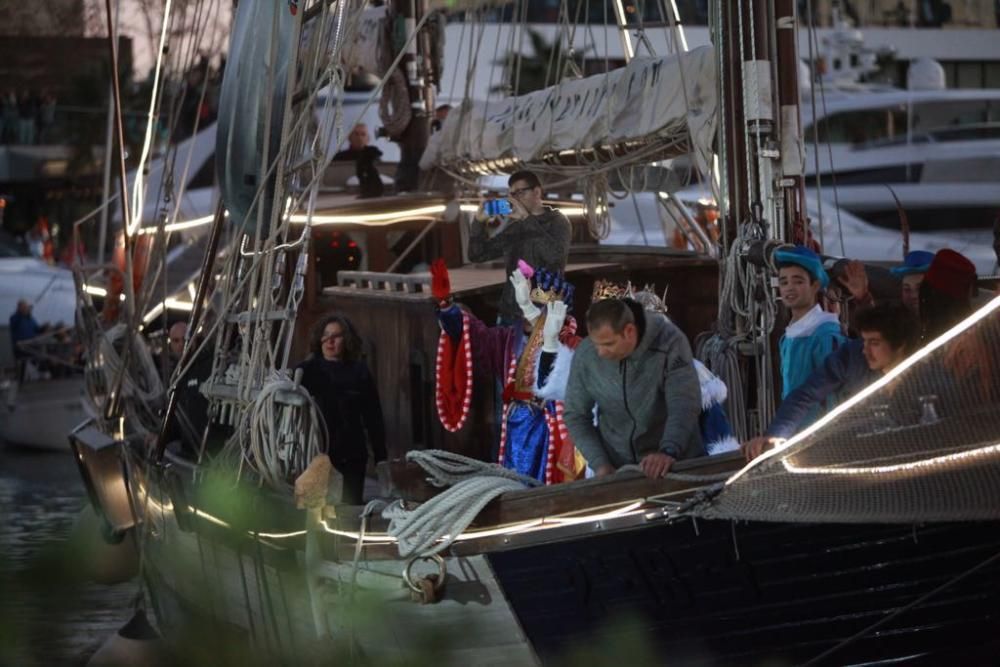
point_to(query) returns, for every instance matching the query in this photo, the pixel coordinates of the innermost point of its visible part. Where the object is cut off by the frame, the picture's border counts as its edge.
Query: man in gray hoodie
(636, 368)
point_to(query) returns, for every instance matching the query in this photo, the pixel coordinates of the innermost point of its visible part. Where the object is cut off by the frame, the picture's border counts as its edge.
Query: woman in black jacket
(339, 380)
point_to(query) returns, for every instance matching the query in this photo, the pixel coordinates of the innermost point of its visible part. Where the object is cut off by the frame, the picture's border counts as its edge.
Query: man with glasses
(534, 232)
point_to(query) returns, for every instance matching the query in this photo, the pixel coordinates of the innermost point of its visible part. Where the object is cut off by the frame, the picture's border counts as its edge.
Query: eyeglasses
(176, 340)
(520, 191)
(329, 337)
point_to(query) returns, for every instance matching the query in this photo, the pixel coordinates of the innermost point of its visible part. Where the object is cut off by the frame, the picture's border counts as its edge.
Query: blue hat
(917, 261)
(807, 259)
(551, 286)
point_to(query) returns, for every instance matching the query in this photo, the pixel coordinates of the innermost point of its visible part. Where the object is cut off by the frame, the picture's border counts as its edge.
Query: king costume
(532, 358)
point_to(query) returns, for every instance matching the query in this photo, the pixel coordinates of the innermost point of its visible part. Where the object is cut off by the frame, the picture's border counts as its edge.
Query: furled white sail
(670, 99)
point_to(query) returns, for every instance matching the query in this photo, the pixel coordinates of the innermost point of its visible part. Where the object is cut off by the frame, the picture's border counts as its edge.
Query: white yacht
(936, 150)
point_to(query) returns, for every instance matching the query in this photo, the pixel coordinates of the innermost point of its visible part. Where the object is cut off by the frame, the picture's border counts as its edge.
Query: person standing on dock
(636, 369)
(337, 377)
(533, 232)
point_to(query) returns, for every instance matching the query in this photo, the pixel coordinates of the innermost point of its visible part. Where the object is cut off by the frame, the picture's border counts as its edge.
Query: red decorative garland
(454, 384)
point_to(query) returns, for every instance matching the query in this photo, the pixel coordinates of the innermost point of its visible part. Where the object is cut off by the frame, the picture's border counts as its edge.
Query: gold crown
(538, 295)
(649, 299)
(605, 289)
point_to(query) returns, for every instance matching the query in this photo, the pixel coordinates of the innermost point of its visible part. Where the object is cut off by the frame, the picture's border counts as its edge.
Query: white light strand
(137, 187)
(874, 387)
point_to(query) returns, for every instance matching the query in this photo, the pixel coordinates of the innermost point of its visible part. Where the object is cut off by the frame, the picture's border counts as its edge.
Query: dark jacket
(346, 395)
(540, 240)
(844, 371)
(190, 416)
(648, 402)
(22, 327)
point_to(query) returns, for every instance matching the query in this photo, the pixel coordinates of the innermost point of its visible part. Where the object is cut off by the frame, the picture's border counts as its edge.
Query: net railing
(921, 443)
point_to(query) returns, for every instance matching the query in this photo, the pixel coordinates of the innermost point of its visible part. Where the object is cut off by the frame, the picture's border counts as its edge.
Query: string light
(874, 387)
(897, 467)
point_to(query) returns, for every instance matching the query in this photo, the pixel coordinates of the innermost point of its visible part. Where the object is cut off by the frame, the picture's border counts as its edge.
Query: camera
(494, 207)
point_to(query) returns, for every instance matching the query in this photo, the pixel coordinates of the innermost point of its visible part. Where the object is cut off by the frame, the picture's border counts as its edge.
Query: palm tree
(535, 68)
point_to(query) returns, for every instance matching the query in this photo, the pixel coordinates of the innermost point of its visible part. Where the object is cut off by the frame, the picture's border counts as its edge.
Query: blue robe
(803, 347)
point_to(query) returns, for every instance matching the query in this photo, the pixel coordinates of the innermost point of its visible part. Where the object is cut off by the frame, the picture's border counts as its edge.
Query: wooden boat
(227, 553)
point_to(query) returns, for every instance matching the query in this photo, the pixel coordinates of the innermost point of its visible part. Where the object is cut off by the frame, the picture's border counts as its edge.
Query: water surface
(48, 616)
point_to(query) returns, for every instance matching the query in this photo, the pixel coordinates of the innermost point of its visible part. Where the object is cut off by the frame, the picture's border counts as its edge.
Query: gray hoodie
(648, 402)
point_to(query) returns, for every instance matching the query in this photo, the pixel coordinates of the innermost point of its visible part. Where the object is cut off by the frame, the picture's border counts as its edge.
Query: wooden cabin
(394, 312)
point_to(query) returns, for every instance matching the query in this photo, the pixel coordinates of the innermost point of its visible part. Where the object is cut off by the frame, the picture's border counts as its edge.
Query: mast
(790, 126)
(762, 191)
(415, 65)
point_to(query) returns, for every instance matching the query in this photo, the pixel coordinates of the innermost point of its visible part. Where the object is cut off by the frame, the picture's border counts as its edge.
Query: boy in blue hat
(910, 272)
(811, 334)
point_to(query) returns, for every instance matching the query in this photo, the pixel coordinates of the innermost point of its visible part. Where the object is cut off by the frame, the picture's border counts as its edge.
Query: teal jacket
(803, 347)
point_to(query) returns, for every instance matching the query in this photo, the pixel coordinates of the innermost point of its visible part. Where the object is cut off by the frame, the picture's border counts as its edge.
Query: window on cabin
(865, 126)
(957, 120)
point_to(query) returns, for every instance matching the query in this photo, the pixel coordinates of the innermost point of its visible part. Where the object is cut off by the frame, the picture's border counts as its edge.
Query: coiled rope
(434, 525)
(281, 439)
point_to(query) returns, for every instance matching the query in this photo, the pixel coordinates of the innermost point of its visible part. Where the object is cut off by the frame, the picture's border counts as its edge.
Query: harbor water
(48, 614)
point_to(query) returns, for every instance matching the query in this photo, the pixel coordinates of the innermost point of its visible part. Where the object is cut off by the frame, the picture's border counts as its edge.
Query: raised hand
(522, 294)
(855, 280)
(518, 212)
(440, 281)
(554, 321)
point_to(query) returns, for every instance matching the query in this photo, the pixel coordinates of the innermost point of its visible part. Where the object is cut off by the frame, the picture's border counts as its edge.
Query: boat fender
(136, 643)
(100, 560)
(99, 458)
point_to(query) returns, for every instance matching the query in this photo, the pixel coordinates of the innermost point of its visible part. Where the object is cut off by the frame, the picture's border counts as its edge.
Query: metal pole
(119, 129)
(114, 399)
(790, 115)
(627, 48)
(204, 279)
(102, 239)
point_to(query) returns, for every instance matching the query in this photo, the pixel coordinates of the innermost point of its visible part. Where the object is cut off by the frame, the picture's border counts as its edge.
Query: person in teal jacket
(812, 333)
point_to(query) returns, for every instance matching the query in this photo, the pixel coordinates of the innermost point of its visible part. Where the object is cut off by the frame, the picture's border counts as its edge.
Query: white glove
(554, 321)
(522, 294)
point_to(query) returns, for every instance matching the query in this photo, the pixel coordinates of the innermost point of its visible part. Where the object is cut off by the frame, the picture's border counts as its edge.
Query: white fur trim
(555, 383)
(809, 322)
(722, 446)
(713, 389)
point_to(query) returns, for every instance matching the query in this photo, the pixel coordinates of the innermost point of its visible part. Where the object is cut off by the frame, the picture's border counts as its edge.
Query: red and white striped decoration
(511, 372)
(445, 357)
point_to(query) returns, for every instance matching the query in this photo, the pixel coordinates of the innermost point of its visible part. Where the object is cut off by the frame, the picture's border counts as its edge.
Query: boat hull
(214, 586)
(716, 592)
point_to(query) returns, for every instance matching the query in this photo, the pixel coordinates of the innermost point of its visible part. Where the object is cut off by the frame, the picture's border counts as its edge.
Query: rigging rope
(281, 439)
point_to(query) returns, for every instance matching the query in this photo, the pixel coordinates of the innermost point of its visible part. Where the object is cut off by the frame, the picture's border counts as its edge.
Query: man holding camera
(532, 231)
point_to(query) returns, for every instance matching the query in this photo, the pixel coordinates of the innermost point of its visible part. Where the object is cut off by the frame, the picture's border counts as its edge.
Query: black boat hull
(718, 592)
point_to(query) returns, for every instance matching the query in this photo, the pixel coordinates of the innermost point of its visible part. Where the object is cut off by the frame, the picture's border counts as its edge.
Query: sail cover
(921, 444)
(669, 99)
